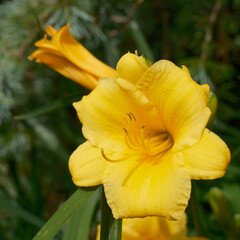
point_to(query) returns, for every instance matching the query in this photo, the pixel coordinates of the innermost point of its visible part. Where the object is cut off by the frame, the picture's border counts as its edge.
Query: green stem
(195, 211)
(111, 228)
(57, 104)
(17, 211)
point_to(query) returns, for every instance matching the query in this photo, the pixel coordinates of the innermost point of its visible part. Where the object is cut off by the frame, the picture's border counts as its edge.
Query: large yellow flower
(146, 139)
(66, 55)
(154, 228)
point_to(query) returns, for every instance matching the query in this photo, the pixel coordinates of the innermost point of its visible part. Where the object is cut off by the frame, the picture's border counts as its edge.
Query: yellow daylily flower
(146, 139)
(154, 228)
(67, 56)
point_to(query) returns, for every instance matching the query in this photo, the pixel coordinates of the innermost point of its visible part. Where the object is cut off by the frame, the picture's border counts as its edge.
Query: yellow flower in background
(66, 55)
(154, 228)
(146, 139)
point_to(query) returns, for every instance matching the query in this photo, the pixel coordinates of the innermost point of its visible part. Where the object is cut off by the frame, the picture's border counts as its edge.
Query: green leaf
(221, 209)
(111, 228)
(54, 224)
(60, 103)
(141, 41)
(79, 224)
(212, 104)
(20, 213)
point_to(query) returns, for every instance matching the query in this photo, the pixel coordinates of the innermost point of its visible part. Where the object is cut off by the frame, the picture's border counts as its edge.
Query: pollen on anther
(133, 116)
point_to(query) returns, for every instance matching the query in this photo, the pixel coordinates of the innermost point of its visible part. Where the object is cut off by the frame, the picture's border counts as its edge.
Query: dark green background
(34, 148)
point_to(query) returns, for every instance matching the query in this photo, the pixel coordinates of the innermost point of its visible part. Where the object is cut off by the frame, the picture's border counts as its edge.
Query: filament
(112, 160)
(138, 139)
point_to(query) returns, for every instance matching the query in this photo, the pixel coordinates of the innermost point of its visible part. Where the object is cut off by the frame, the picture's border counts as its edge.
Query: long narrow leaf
(79, 224)
(54, 224)
(141, 41)
(59, 103)
(21, 213)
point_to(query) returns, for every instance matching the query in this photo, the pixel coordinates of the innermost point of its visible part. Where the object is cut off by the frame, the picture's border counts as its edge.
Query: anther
(148, 136)
(133, 116)
(130, 117)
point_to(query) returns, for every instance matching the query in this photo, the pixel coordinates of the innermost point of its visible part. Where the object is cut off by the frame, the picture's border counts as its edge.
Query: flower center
(143, 146)
(139, 139)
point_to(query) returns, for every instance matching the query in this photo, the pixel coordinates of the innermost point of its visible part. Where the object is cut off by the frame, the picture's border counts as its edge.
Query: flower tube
(63, 53)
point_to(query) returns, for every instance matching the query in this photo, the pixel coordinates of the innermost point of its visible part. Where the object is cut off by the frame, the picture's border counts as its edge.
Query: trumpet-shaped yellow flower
(154, 228)
(66, 55)
(146, 139)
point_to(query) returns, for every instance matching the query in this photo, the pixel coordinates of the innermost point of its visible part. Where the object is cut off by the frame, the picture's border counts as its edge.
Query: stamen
(112, 160)
(159, 138)
(148, 136)
(130, 144)
(133, 116)
(139, 140)
(143, 137)
(148, 141)
(130, 116)
(161, 147)
(133, 138)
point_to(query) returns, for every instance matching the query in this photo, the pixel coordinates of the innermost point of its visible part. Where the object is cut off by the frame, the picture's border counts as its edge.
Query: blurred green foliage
(39, 128)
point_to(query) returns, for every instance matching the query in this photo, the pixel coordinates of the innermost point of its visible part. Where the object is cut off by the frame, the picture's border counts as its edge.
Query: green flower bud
(220, 206)
(212, 104)
(237, 224)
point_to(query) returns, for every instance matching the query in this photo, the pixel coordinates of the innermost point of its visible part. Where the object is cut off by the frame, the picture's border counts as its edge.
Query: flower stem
(111, 228)
(195, 211)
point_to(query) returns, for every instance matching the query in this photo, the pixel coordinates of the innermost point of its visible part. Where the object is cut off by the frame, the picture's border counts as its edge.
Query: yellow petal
(50, 45)
(87, 165)
(67, 56)
(147, 187)
(154, 228)
(47, 45)
(80, 56)
(178, 229)
(181, 102)
(103, 111)
(207, 159)
(50, 31)
(131, 67)
(65, 67)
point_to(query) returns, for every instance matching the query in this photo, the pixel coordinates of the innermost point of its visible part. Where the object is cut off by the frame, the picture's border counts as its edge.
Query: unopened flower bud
(212, 104)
